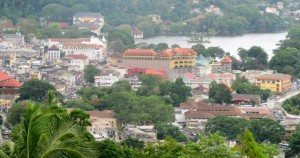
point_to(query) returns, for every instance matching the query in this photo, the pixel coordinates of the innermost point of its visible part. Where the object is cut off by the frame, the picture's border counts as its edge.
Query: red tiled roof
(184, 51)
(11, 83)
(198, 115)
(136, 31)
(192, 105)
(154, 72)
(260, 110)
(69, 39)
(226, 59)
(4, 76)
(140, 52)
(166, 53)
(94, 46)
(53, 47)
(77, 56)
(189, 75)
(102, 114)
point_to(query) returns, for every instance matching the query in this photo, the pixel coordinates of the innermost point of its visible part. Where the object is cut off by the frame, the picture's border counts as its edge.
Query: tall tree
(36, 90)
(220, 93)
(179, 92)
(90, 71)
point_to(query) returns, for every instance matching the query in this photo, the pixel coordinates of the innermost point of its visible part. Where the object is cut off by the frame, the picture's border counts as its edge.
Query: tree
(46, 131)
(1, 120)
(82, 118)
(200, 49)
(234, 126)
(161, 46)
(36, 90)
(249, 147)
(90, 71)
(165, 88)
(149, 86)
(179, 92)
(220, 93)
(121, 86)
(293, 149)
(167, 130)
(133, 143)
(211, 145)
(266, 130)
(214, 52)
(16, 113)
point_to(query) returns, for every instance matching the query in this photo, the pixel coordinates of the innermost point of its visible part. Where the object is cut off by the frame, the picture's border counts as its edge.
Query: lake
(268, 41)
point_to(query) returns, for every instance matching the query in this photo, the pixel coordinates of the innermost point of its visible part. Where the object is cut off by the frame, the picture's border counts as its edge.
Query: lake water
(268, 41)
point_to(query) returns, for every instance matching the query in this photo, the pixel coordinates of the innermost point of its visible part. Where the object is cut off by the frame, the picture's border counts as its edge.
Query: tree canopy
(36, 90)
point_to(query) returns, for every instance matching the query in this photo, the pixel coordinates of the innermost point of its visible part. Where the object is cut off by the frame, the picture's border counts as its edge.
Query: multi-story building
(94, 48)
(106, 78)
(8, 85)
(78, 61)
(173, 61)
(275, 82)
(225, 65)
(89, 21)
(53, 53)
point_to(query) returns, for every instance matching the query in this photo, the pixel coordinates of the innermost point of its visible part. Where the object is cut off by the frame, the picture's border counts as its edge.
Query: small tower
(226, 64)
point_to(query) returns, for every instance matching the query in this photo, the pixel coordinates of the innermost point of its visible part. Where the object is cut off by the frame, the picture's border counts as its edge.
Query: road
(277, 103)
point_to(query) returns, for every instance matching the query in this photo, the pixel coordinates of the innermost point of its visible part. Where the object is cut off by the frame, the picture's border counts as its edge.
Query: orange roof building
(8, 85)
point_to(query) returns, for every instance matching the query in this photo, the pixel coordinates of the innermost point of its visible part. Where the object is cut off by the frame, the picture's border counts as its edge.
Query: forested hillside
(237, 17)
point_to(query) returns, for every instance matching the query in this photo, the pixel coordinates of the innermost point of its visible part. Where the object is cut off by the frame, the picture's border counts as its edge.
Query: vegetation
(16, 113)
(292, 105)
(243, 86)
(294, 148)
(264, 130)
(90, 71)
(48, 131)
(253, 59)
(1, 120)
(237, 17)
(167, 130)
(287, 56)
(219, 93)
(36, 90)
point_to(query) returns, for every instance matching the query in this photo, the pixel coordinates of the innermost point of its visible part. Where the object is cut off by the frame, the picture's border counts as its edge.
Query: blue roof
(201, 60)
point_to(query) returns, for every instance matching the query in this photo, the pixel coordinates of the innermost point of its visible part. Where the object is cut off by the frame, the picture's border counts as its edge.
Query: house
(16, 40)
(53, 53)
(245, 98)
(155, 18)
(277, 82)
(114, 58)
(8, 85)
(92, 51)
(78, 61)
(280, 5)
(137, 33)
(272, 10)
(201, 61)
(224, 65)
(104, 124)
(89, 21)
(144, 133)
(181, 60)
(253, 113)
(106, 78)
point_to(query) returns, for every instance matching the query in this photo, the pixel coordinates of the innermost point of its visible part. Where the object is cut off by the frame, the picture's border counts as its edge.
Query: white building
(93, 52)
(79, 61)
(94, 48)
(106, 78)
(53, 53)
(272, 10)
(89, 21)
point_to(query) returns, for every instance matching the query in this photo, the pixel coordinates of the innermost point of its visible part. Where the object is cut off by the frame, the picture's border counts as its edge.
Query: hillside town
(113, 88)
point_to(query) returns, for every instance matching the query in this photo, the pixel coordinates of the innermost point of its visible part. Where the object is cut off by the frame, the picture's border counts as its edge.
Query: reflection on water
(267, 41)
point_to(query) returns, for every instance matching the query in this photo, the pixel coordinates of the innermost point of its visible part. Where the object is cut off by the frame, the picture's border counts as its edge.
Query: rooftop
(140, 52)
(274, 76)
(77, 56)
(88, 14)
(102, 114)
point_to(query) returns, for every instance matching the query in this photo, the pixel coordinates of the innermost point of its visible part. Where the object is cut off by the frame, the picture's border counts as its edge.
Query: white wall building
(79, 61)
(107, 78)
(53, 53)
(93, 52)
